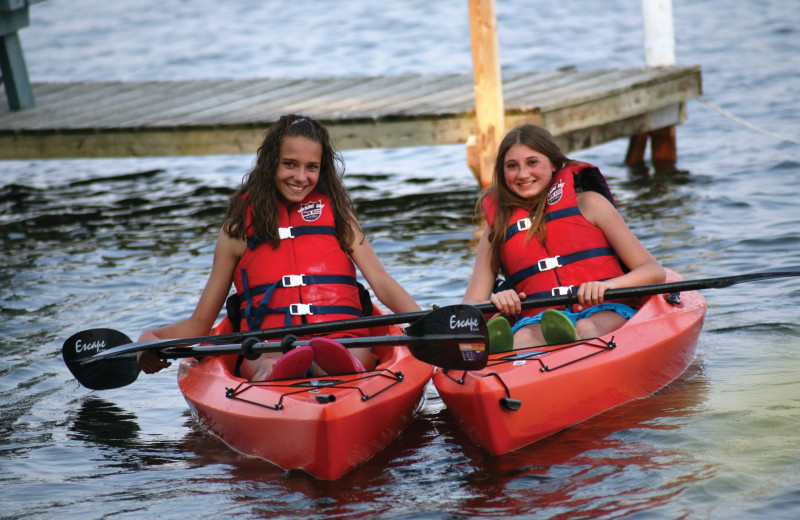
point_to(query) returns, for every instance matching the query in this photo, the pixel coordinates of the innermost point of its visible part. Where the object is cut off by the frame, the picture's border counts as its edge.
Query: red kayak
(525, 395)
(323, 426)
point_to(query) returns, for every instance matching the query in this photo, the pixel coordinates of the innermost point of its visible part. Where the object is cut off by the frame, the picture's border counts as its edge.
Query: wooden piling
(659, 49)
(489, 106)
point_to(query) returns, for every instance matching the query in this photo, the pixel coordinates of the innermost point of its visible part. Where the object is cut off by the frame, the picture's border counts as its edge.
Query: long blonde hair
(506, 200)
(259, 189)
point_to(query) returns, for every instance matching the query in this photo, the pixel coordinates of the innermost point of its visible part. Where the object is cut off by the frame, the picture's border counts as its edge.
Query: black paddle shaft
(719, 282)
(486, 308)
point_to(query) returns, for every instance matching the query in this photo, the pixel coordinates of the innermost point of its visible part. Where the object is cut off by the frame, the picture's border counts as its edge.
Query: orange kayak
(325, 427)
(526, 395)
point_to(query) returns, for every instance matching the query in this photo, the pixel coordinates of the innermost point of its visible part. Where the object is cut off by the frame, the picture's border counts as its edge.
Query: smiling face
(298, 168)
(527, 172)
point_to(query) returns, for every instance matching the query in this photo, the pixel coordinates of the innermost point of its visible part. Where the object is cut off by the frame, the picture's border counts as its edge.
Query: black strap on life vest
(296, 231)
(538, 267)
(521, 225)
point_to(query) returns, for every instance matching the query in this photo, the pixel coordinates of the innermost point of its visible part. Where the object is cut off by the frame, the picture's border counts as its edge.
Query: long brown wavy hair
(259, 189)
(506, 200)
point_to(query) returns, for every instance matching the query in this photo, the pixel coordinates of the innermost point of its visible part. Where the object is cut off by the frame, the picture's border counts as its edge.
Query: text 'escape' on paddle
(453, 337)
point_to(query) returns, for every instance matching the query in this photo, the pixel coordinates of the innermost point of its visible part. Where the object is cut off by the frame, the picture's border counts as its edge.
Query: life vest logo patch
(555, 193)
(311, 211)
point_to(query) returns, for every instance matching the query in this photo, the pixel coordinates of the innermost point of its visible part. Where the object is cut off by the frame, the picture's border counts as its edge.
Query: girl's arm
(227, 253)
(387, 290)
(644, 268)
(482, 281)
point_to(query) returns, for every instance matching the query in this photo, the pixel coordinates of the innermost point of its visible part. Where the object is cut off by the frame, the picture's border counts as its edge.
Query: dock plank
(438, 92)
(389, 98)
(225, 112)
(581, 108)
(213, 111)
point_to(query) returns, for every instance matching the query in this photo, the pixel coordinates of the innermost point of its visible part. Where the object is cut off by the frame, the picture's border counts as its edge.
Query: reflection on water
(573, 470)
(104, 423)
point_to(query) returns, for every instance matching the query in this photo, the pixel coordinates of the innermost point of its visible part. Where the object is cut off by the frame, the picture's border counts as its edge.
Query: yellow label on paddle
(472, 351)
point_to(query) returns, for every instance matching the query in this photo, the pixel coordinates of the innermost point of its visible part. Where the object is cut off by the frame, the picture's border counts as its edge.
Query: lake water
(127, 243)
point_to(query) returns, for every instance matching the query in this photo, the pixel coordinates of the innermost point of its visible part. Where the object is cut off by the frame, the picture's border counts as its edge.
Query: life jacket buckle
(285, 232)
(524, 224)
(562, 291)
(546, 264)
(300, 309)
(293, 280)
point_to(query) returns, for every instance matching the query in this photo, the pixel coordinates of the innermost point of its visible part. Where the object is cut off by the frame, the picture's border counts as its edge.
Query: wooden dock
(582, 108)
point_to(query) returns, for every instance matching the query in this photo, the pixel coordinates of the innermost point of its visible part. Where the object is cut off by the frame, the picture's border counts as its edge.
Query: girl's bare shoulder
(594, 206)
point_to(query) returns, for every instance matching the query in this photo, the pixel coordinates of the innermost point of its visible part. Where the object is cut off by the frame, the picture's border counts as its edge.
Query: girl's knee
(258, 369)
(599, 324)
(584, 328)
(366, 357)
(528, 336)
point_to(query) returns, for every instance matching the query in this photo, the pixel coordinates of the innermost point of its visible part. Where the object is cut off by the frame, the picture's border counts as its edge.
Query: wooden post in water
(13, 17)
(659, 50)
(659, 34)
(489, 107)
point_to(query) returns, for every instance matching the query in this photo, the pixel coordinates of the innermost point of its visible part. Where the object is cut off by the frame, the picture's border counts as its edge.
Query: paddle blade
(451, 354)
(99, 375)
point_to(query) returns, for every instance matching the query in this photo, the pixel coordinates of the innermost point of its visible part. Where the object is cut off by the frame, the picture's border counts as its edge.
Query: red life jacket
(308, 278)
(574, 250)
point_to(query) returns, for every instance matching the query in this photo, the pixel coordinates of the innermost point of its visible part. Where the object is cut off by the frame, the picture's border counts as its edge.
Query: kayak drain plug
(510, 404)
